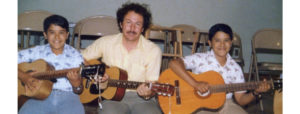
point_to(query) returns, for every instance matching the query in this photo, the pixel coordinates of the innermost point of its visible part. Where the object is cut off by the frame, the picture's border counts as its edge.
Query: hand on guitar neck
(74, 78)
(144, 91)
(263, 87)
(101, 79)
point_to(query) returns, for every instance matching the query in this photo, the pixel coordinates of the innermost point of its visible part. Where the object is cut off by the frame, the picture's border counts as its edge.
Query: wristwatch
(77, 88)
(147, 97)
(256, 95)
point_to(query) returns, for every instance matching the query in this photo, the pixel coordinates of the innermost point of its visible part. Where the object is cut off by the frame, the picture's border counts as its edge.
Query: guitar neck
(53, 74)
(235, 87)
(124, 83)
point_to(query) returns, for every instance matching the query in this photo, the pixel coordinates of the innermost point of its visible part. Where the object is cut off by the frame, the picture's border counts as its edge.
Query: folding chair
(236, 51)
(31, 23)
(200, 43)
(189, 35)
(93, 28)
(267, 41)
(171, 38)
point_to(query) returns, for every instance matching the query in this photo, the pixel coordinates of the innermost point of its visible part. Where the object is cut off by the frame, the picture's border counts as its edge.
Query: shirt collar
(139, 45)
(48, 48)
(212, 54)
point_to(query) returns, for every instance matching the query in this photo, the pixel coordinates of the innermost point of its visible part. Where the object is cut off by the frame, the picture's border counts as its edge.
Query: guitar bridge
(178, 99)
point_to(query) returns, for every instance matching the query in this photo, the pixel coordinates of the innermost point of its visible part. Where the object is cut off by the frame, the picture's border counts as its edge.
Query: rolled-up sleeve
(93, 51)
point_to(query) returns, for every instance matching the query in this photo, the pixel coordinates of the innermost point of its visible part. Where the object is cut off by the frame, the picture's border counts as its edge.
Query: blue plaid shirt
(70, 58)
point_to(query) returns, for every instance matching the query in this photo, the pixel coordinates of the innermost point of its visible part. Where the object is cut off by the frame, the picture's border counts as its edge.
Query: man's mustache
(132, 32)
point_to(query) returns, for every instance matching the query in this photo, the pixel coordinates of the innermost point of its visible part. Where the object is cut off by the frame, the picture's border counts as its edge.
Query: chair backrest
(189, 32)
(236, 46)
(157, 35)
(236, 49)
(96, 26)
(236, 41)
(99, 25)
(32, 20)
(171, 38)
(267, 39)
(160, 35)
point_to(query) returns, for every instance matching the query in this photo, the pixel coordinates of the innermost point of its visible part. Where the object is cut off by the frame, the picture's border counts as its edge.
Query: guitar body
(114, 88)
(90, 93)
(190, 100)
(44, 87)
(277, 105)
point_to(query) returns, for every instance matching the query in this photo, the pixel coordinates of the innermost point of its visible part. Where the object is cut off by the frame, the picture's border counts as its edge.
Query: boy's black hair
(219, 27)
(137, 8)
(56, 20)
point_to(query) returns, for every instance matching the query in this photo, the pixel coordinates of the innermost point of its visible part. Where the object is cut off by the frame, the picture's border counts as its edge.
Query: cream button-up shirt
(142, 63)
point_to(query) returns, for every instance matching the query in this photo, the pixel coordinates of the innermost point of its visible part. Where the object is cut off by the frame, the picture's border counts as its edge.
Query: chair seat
(269, 66)
(239, 61)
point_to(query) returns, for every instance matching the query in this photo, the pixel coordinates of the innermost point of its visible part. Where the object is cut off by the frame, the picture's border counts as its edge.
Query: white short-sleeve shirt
(70, 58)
(203, 62)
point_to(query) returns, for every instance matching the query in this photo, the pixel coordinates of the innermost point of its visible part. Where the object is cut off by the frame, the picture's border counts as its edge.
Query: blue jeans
(58, 102)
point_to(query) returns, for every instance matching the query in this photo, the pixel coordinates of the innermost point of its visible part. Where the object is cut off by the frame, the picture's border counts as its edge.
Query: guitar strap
(98, 85)
(99, 99)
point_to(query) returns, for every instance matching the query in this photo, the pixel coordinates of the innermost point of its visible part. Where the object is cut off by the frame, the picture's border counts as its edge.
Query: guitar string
(53, 74)
(236, 87)
(170, 105)
(99, 89)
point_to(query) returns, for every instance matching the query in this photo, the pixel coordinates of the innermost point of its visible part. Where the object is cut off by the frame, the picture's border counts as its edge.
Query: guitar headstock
(163, 89)
(90, 71)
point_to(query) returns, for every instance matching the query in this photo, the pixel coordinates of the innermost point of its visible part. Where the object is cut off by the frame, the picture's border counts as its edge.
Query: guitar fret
(227, 87)
(220, 87)
(53, 74)
(124, 84)
(234, 87)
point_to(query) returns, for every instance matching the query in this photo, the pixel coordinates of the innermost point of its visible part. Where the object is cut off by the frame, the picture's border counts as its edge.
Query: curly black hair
(141, 9)
(220, 27)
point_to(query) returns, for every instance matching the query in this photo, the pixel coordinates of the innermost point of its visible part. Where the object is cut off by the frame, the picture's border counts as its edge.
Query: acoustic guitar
(46, 75)
(187, 100)
(277, 102)
(115, 87)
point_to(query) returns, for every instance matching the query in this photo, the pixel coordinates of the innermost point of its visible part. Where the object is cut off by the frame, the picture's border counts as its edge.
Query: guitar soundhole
(94, 89)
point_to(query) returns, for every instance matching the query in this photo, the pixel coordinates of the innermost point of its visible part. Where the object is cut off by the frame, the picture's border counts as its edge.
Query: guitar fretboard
(235, 87)
(53, 74)
(124, 84)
